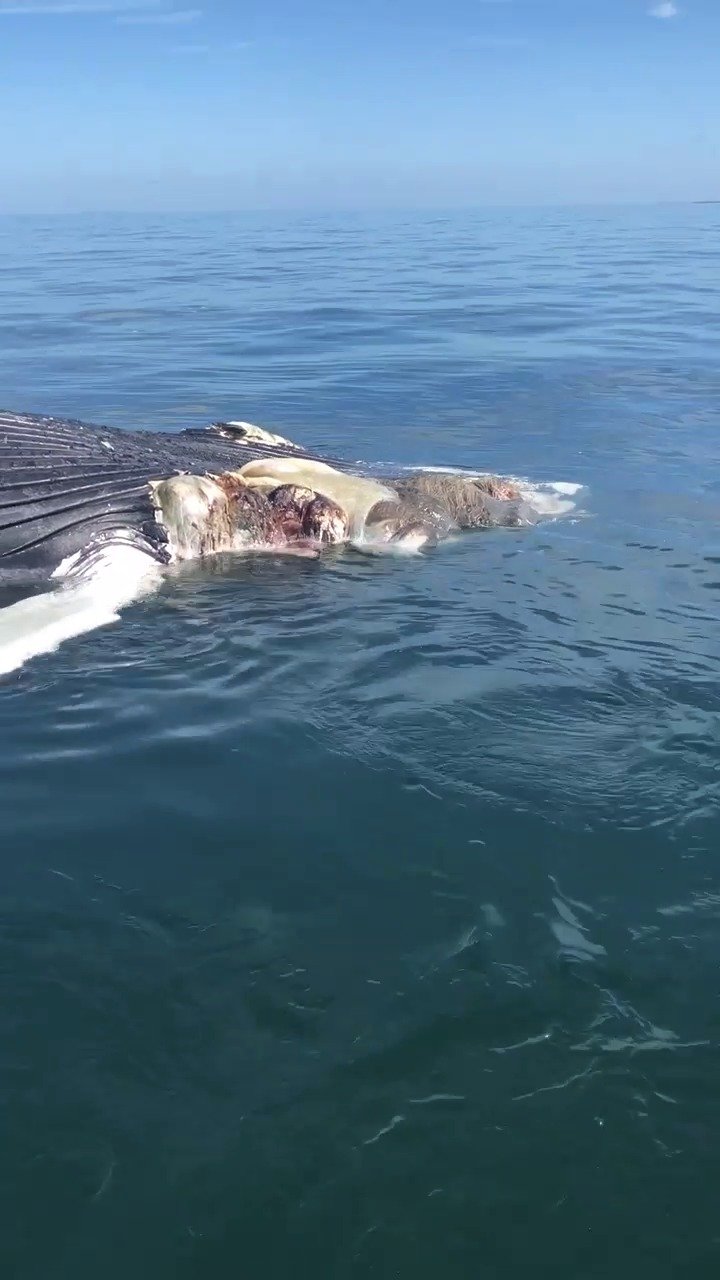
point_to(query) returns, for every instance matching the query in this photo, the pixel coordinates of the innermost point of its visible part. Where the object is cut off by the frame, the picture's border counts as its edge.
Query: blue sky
(211, 104)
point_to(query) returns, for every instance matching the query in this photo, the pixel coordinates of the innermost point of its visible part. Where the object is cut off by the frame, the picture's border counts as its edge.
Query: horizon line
(353, 210)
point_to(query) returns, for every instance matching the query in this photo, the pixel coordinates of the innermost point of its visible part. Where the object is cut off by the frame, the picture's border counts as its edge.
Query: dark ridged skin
(64, 483)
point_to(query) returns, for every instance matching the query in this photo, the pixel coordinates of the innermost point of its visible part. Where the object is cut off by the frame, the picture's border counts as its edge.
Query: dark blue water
(362, 918)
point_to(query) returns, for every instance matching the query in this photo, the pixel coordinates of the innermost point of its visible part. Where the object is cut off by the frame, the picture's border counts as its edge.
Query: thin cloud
(664, 10)
(171, 18)
(17, 9)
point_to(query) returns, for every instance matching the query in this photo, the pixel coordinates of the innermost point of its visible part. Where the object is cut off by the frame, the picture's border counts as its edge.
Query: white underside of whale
(116, 576)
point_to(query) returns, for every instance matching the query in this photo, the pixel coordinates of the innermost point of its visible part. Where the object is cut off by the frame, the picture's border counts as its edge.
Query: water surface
(361, 918)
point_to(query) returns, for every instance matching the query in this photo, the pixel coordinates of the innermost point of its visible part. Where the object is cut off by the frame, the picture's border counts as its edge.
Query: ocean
(361, 917)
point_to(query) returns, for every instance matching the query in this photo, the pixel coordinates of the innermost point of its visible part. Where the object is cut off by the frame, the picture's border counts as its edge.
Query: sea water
(361, 917)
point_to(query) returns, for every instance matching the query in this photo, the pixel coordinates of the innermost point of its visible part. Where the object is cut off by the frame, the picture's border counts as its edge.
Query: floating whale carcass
(90, 517)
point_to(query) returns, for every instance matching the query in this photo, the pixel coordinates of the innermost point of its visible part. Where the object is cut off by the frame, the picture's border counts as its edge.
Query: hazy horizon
(319, 211)
(149, 106)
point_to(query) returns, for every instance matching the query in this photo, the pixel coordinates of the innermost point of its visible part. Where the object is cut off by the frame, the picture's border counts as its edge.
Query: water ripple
(304, 863)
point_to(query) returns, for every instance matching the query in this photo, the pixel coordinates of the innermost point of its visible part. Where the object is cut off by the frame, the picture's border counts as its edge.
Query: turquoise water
(362, 918)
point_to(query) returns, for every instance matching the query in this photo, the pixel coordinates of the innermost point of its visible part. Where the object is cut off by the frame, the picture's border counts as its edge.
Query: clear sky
(146, 104)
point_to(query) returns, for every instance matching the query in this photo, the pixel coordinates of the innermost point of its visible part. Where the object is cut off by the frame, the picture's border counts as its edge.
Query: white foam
(94, 589)
(565, 486)
(551, 499)
(402, 547)
(547, 500)
(449, 471)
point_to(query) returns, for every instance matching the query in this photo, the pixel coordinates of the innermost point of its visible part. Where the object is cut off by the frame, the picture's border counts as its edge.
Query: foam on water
(400, 548)
(550, 500)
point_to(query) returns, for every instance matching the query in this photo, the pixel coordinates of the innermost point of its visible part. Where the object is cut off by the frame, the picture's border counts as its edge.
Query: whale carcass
(91, 516)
